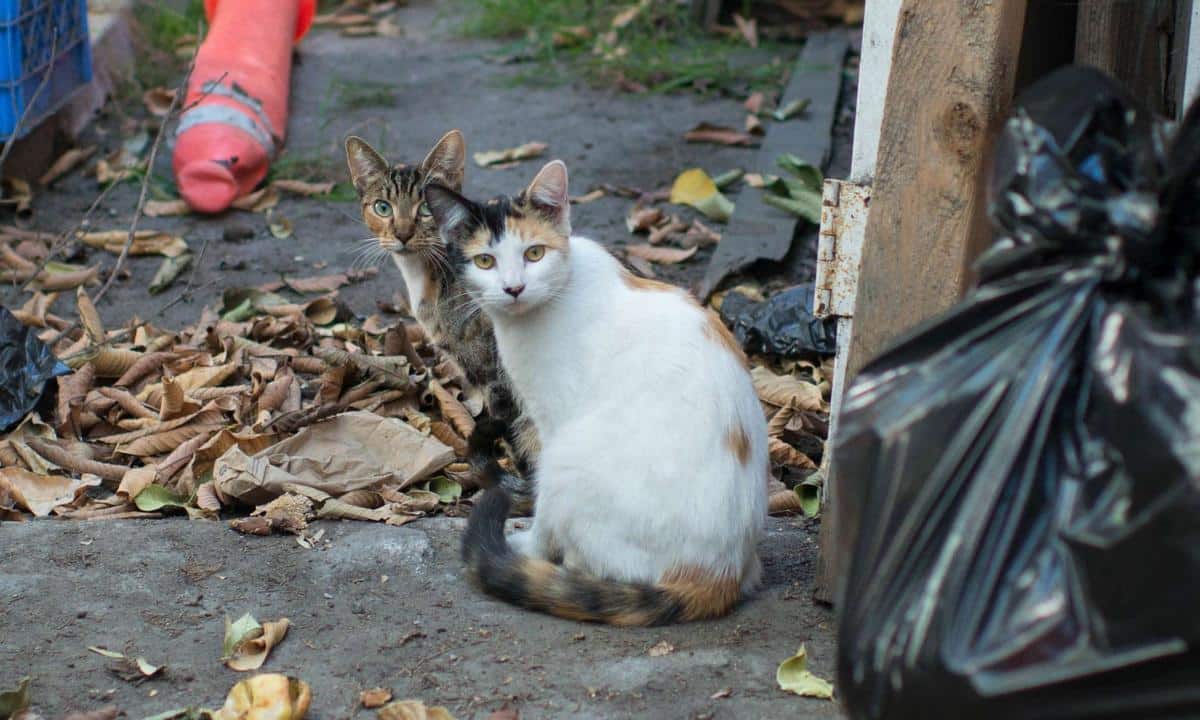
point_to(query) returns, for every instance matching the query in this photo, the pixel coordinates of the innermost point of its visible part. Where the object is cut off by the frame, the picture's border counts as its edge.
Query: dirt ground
(375, 606)
(163, 587)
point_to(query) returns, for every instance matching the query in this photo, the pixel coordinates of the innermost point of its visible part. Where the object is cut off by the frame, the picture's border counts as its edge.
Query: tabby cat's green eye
(485, 262)
(423, 210)
(535, 253)
(382, 208)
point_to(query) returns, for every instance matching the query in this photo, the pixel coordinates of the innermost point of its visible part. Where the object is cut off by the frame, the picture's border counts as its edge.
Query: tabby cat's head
(393, 203)
(512, 252)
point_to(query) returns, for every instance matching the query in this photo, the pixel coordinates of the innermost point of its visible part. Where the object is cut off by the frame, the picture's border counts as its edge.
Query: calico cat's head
(511, 252)
(393, 203)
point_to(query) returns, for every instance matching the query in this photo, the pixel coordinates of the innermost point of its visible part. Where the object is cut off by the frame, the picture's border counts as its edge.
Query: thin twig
(12, 139)
(187, 289)
(141, 204)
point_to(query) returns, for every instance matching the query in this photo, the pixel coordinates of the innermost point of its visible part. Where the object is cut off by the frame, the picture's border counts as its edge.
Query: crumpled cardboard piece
(351, 451)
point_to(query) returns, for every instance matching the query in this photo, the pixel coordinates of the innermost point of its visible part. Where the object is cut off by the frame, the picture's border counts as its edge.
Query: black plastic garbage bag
(1023, 473)
(26, 363)
(781, 325)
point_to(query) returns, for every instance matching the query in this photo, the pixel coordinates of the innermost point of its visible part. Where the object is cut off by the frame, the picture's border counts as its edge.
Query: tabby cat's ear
(364, 162)
(548, 195)
(451, 212)
(446, 162)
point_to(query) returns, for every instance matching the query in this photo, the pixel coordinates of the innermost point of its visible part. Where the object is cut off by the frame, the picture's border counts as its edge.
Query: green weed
(662, 49)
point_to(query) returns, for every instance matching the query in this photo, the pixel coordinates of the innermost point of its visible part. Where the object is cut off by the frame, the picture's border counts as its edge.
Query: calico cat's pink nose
(514, 290)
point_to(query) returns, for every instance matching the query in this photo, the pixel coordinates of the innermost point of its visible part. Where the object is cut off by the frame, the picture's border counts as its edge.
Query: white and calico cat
(651, 481)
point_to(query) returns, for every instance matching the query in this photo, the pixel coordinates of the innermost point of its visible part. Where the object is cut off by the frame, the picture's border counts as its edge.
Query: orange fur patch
(703, 593)
(477, 243)
(636, 282)
(536, 231)
(738, 442)
(716, 331)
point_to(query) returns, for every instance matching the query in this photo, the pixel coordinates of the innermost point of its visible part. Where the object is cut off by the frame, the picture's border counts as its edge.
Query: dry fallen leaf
(375, 697)
(589, 197)
(629, 14)
(158, 100)
(748, 29)
(754, 103)
(307, 189)
(661, 255)
(65, 163)
(39, 494)
(717, 135)
(783, 501)
(413, 710)
(754, 126)
(643, 219)
(247, 642)
(661, 648)
(793, 676)
(318, 283)
(786, 391)
(166, 208)
(266, 697)
(145, 242)
(258, 201)
(495, 158)
(784, 454)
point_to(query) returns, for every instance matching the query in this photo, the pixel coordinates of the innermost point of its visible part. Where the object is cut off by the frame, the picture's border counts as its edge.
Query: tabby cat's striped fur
(394, 210)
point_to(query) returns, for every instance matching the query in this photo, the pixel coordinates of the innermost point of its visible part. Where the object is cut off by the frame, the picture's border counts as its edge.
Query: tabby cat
(394, 210)
(651, 486)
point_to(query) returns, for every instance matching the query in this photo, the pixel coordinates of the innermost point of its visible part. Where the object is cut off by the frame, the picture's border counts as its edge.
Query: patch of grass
(161, 28)
(662, 49)
(358, 94)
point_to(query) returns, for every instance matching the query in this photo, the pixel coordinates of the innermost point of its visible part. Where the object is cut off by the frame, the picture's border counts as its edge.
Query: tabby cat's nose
(514, 290)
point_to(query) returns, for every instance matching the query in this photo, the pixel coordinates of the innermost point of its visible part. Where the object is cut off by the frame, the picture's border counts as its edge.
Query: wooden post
(950, 88)
(1132, 42)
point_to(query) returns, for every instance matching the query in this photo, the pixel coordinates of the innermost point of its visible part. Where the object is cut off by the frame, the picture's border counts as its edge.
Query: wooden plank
(758, 231)
(1130, 40)
(950, 88)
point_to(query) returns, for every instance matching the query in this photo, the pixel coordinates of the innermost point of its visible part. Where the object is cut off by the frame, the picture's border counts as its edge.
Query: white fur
(633, 403)
(415, 272)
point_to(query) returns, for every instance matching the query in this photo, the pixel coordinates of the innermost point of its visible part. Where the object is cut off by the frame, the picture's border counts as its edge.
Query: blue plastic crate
(39, 37)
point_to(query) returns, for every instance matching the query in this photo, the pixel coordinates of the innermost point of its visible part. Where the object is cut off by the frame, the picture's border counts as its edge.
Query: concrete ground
(162, 588)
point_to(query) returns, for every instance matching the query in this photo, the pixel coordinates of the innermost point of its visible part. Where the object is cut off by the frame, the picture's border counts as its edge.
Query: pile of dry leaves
(291, 411)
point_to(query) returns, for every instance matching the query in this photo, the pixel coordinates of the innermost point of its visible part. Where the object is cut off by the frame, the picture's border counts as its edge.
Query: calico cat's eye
(485, 262)
(535, 252)
(382, 208)
(423, 210)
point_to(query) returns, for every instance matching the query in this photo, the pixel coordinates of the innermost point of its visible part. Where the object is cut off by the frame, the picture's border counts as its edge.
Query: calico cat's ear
(446, 162)
(364, 162)
(548, 195)
(450, 210)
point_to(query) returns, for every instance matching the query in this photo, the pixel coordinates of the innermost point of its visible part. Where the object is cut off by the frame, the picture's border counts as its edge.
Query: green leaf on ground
(791, 110)
(14, 701)
(695, 188)
(447, 490)
(157, 497)
(237, 631)
(793, 676)
(169, 271)
(809, 492)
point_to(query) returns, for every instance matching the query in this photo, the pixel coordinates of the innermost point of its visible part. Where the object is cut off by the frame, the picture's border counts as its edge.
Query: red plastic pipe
(237, 99)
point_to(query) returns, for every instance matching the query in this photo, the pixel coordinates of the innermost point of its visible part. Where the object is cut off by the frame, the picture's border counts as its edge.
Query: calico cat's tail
(545, 587)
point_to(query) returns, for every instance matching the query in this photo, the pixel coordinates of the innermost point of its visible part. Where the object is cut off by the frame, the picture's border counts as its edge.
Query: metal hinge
(839, 247)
